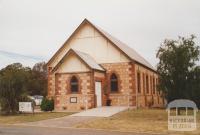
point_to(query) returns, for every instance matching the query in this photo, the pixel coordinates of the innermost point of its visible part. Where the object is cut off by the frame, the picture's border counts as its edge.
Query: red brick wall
(144, 98)
(63, 94)
(125, 73)
(51, 81)
(58, 87)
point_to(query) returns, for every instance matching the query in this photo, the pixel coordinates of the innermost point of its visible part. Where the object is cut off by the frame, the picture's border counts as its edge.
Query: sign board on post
(25, 107)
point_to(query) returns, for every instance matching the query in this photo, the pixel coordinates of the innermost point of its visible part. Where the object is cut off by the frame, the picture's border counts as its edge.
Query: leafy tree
(37, 84)
(178, 69)
(13, 80)
(193, 85)
(16, 82)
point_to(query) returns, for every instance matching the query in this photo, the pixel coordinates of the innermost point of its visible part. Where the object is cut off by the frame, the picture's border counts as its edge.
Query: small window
(138, 82)
(154, 86)
(151, 85)
(74, 84)
(158, 91)
(113, 83)
(147, 84)
(143, 82)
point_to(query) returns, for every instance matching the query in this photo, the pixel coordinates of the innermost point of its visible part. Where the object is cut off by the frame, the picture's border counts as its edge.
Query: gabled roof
(89, 60)
(86, 58)
(128, 51)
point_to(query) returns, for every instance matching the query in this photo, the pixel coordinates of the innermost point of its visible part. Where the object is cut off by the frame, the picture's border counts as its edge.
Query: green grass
(22, 118)
(141, 120)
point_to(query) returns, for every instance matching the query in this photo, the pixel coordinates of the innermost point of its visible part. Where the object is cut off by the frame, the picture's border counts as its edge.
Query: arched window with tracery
(114, 83)
(74, 85)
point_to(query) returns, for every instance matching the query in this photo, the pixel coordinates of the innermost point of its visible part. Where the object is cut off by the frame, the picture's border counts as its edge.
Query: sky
(33, 30)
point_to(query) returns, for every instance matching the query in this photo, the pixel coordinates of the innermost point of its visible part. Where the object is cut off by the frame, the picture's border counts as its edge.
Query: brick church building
(94, 69)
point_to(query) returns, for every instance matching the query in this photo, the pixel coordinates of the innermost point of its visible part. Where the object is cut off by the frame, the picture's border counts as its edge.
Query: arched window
(154, 86)
(113, 83)
(74, 84)
(147, 84)
(138, 82)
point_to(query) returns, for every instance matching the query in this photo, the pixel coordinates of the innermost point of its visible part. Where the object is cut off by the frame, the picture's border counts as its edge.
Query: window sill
(115, 92)
(74, 93)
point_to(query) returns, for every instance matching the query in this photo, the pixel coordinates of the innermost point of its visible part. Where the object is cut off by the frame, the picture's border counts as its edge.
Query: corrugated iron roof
(89, 60)
(86, 58)
(126, 49)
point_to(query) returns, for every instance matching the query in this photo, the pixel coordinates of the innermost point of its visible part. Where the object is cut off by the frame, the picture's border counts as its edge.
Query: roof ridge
(79, 51)
(86, 58)
(89, 59)
(109, 36)
(127, 50)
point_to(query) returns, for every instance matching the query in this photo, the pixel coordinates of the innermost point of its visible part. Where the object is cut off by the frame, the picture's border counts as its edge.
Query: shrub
(47, 105)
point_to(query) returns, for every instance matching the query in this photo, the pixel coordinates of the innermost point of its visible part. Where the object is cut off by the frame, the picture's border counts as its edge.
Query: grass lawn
(141, 120)
(21, 118)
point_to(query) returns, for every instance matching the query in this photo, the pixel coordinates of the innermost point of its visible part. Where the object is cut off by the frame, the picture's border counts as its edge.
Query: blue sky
(33, 30)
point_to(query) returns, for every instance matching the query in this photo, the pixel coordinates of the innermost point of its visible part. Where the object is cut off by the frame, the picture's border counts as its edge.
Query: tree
(16, 82)
(193, 85)
(178, 69)
(37, 84)
(13, 80)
